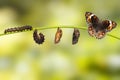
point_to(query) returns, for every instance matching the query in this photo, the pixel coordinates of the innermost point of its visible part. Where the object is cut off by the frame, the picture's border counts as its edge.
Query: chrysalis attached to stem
(18, 29)
(38, 38)
(76, 35)
(58, 36)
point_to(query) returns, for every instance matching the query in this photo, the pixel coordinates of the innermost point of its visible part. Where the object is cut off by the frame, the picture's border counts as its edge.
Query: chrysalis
(76, 35)
(18, 29)
(38, 38)
(58, 36)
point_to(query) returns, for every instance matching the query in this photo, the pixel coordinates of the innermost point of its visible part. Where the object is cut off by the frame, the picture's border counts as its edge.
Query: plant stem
(113, 36)
(42, 28)
(53, 27)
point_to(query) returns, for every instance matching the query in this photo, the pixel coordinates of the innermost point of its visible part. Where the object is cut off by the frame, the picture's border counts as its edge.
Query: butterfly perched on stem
(98, 28)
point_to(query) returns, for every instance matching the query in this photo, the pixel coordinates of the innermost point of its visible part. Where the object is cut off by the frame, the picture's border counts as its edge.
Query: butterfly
(98, 28)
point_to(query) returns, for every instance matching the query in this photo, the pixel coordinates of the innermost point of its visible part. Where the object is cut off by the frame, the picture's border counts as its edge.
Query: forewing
(109, 25)
(91, 19)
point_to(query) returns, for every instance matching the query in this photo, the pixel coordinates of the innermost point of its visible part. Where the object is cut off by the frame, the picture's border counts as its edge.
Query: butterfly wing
(109, 25)
(100, 34)
(92, 21)
(91, 31)
(104, 27)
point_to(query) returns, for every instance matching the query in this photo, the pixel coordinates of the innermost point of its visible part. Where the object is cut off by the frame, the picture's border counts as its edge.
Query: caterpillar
(18, 29)
(38, 38)
(58, 36)
(76, 35)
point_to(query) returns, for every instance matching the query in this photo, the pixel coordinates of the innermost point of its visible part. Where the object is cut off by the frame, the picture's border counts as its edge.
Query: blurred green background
(91, 59)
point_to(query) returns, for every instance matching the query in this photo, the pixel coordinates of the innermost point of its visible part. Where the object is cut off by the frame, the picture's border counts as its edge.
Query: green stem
(52, 27)
(42, 28)
(113, 36)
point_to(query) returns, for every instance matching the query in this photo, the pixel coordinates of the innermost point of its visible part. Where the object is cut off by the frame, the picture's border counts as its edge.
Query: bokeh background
(91, 59)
